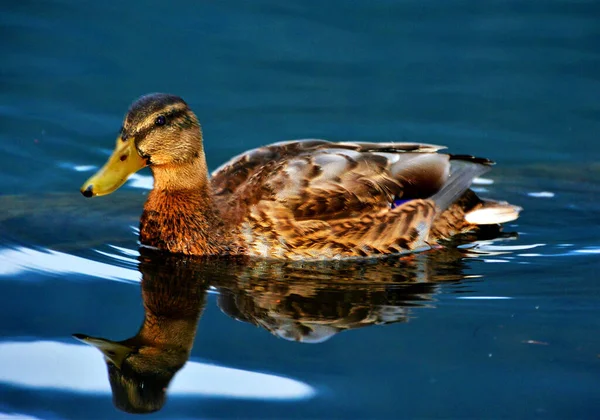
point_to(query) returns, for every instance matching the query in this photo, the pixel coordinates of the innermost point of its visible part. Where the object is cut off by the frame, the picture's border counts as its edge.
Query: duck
(307, 199)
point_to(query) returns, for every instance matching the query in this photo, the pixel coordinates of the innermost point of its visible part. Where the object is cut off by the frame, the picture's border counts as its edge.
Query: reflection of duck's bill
(113, 352)
(124, 161)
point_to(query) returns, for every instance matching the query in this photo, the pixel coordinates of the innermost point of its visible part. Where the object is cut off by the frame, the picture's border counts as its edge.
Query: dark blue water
(505, 329)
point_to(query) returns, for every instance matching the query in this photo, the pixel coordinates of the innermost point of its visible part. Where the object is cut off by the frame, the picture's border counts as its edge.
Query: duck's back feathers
(235, 172)
(316, 179)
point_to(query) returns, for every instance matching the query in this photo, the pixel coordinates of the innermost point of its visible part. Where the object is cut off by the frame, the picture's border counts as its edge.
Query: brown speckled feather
(316, 199)
(304, 199)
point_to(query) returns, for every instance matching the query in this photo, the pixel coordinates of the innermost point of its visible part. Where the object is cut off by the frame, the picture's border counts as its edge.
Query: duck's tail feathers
(463, 170)
(493, 212)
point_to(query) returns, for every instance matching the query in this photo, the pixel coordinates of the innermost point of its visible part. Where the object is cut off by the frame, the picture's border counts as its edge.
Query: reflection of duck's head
(139, 374)
(140, 368)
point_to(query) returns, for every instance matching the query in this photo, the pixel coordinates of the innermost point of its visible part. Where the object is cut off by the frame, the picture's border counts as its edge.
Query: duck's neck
(190, 176)
(179, 214)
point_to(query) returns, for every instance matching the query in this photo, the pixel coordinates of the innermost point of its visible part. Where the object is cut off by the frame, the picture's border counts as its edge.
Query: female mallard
(308, 199)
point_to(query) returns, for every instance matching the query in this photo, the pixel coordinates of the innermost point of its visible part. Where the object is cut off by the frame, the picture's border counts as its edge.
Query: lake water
(508, 328)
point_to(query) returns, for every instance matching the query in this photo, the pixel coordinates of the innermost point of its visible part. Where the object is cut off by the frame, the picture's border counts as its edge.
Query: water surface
(505, 329)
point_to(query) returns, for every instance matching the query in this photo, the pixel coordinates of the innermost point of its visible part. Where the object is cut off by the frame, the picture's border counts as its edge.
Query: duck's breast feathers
(316, 179)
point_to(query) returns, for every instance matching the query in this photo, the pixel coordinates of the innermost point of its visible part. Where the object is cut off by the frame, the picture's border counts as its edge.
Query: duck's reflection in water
(304, 302)
(140, 368)
(312, 302)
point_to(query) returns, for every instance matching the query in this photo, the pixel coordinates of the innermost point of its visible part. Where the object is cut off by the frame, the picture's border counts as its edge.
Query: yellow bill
(124, 161)
(113, 352)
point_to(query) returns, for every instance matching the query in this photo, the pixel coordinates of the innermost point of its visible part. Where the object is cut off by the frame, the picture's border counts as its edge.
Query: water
(506, 329)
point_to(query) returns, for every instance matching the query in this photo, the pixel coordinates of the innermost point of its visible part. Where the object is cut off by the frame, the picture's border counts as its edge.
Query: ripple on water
(19, 259)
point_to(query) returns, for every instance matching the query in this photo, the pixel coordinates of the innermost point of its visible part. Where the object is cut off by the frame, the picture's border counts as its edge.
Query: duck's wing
(317, 179)
(316, 199)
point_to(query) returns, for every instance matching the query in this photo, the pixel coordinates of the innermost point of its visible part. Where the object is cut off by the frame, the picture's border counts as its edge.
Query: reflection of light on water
(117, 257)
(21, 259)
(483, 297)
(77, 168)
(482, 249)
(140, 181)
(78, 368)
(7, 416)
(479, 189)
(488, 248)
(591, 250)
(84, 168)
(126, 251)
(575, 252)
(541, 194)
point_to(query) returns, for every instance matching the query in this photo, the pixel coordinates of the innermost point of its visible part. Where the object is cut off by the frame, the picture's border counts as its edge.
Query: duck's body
(308, 199)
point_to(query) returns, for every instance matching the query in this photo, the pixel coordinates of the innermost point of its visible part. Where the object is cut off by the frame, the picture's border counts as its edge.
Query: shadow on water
(303, 302)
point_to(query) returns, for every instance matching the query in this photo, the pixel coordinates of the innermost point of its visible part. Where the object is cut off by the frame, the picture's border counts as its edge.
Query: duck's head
(159, 131)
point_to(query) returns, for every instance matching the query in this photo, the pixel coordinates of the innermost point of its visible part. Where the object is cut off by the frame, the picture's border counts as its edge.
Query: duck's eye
(160, 120)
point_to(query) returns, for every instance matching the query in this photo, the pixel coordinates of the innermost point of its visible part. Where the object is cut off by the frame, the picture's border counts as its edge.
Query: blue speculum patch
(398, 202)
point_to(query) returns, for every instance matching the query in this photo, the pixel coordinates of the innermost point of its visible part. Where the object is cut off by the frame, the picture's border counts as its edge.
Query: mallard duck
(301, 199)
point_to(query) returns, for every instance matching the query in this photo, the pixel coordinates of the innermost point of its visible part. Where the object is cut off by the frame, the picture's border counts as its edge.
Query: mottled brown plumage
(305, 199)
